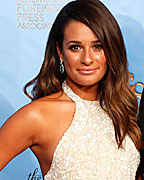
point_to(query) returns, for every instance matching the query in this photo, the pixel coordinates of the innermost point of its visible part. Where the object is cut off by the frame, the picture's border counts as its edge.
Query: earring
(61, 66)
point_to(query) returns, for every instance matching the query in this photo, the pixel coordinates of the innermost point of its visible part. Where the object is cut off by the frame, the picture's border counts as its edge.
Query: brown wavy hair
(119, 101)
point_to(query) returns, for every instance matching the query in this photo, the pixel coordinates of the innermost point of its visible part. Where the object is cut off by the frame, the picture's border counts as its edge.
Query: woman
(82, 121)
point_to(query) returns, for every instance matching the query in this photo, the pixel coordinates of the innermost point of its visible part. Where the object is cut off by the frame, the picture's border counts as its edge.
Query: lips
(87, 70)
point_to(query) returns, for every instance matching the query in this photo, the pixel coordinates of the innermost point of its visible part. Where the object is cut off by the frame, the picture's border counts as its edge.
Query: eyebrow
(94, 42)
(79, 42)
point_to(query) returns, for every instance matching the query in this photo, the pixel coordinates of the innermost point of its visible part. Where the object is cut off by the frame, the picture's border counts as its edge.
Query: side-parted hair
(119, 101)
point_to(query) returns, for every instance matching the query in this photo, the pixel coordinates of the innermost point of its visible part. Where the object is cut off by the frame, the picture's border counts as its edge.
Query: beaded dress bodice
(88, 149)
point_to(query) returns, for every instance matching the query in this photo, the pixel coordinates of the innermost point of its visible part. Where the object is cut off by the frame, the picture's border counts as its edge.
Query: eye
(97, 46)
(74, 47)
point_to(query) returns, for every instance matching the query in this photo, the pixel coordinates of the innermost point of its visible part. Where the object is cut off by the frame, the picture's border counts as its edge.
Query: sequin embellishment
(88, 149)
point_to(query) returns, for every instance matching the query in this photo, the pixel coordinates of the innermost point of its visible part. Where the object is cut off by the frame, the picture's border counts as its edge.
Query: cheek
(70, 60)
(101, 60)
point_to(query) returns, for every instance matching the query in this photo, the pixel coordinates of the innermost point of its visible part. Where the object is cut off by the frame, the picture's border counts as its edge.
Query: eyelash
(74, 47)
(98, 46)
(77, 47)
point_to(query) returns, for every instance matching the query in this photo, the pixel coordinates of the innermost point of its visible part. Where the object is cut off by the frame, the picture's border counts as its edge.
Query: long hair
(119, 101)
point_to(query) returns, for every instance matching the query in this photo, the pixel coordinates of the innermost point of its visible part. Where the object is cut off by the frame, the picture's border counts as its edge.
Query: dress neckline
(74, 97)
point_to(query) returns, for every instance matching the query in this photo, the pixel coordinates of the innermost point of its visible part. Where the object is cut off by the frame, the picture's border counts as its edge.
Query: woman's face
(82, 54)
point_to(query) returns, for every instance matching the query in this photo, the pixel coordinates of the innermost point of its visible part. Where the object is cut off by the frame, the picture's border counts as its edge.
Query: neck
(85, 92)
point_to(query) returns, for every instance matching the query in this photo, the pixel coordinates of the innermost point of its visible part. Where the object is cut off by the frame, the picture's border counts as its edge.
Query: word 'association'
(38, 26)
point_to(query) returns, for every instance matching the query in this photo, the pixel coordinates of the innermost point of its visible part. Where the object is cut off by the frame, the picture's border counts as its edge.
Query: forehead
(76, 30)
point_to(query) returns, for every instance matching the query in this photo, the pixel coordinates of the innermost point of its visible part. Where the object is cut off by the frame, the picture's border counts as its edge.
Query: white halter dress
(88, 149)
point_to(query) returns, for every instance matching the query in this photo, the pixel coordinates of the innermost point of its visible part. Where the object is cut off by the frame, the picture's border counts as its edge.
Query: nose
(86, 57)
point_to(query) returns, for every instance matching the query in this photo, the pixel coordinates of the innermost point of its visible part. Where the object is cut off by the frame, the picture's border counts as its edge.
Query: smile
(87, 70)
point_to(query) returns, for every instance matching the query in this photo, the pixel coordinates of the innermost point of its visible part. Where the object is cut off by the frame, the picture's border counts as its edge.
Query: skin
(39, 125)
(84, 59)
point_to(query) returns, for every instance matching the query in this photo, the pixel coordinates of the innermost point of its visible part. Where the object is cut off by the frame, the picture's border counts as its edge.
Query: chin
(84, 81)
(87, 82)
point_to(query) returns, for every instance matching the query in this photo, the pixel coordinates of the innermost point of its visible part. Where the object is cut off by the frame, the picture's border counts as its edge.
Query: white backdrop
(24, 26)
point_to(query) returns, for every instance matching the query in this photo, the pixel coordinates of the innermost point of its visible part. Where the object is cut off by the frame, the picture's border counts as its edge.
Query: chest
(89, 149)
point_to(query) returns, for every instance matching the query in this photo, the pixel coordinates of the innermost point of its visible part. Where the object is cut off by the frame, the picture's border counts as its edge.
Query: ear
(59, 52)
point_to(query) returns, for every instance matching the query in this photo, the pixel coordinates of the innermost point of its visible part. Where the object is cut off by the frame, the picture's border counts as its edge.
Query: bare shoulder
(55, 102)
(33, 124)
(40, 117)
(37, 116)
(44, 111)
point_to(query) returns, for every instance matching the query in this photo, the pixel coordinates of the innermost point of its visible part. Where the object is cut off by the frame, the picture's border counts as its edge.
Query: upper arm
(17, 134)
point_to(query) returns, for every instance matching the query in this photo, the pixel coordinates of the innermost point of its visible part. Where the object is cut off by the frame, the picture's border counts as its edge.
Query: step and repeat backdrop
(24, 28)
